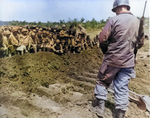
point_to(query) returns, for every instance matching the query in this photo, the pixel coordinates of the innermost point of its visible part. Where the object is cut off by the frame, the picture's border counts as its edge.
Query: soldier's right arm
(4, 42)
(13, 40)
(83, 31)
(19, 40)
(61, 49)
(53, 47)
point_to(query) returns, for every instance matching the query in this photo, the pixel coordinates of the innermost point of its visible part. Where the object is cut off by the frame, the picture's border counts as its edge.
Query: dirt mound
(52, 86)
(43, 68)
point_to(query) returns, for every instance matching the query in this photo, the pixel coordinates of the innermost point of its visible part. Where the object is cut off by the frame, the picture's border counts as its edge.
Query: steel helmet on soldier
(57, 41)
(15, 29)
(79, 25)
(7, 33)
(63, 26)
(24, 30)
(33, 34)
(118, 3)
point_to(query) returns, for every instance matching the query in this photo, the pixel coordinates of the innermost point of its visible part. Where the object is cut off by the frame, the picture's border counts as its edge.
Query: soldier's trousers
(120, 78)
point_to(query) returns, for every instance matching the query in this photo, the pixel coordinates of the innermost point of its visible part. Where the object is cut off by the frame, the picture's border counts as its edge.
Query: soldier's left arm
(30, 42)
(105, 32)
(83, 31)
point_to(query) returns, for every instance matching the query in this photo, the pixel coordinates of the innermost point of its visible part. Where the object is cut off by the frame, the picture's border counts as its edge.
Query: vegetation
(93, 24)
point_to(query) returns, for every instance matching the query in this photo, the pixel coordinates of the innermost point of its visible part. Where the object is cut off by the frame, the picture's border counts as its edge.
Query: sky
(56, 10)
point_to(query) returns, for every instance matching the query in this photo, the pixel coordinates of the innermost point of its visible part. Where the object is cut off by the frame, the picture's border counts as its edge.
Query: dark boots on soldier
(98, 107)
(119, 113)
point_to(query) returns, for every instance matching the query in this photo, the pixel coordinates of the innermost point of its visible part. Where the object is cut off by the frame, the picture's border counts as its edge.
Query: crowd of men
(20, 40)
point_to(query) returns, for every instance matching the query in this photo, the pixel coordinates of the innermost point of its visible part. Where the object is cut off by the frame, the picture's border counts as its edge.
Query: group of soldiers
(20, 40)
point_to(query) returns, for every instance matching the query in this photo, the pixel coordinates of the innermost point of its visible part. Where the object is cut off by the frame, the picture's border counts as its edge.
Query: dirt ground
(45, 85)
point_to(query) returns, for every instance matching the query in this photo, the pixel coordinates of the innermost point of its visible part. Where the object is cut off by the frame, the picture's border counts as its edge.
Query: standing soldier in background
(121, 33)
(64, 38)
(57, 47)
(77, 45)
(72, 35)
(54, 33)
(25, 41)
(51, 41)
(89, 41)
(82, 36)
(44, 40)
(5, 43)
(34, 42)
(14, 39)
(39, 40)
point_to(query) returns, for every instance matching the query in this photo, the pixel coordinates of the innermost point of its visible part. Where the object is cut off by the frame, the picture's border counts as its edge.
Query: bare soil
(45, 85)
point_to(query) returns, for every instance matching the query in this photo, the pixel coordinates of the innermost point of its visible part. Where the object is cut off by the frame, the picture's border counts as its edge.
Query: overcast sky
(56, 10)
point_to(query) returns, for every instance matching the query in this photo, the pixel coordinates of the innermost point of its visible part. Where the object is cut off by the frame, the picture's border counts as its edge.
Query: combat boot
(99, 109)
(119, 113)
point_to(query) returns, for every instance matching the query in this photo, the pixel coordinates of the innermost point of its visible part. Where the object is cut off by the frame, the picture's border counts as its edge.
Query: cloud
(21, 10)
(137, 7)
(55, 10)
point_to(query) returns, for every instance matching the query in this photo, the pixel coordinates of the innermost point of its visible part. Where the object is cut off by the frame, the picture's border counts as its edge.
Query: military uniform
(72, 35)
(89, 41)
(5, 44)
(51, 41)
(77, 45)
(118, 64)
(55, 34)
(82, 37)
(25, 41)
(57, 47)
(39, 40)
(3, 48)
(64, 37)
(14, 38)
(45, 41)
(34, 42)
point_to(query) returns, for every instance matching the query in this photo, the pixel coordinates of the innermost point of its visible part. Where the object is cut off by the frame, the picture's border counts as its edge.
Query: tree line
(87, 24)
(91, 25)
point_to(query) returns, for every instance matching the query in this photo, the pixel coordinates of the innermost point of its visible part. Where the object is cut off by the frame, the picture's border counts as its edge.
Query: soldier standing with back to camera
(118, 64)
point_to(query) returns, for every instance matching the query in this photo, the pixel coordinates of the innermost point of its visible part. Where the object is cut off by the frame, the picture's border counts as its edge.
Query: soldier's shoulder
(4, 38)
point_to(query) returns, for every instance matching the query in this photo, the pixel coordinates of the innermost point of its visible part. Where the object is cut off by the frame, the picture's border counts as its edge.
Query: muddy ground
(46, 85)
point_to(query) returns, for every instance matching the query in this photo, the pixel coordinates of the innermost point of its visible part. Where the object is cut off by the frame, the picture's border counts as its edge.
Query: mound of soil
(44, 68)
(46, 85)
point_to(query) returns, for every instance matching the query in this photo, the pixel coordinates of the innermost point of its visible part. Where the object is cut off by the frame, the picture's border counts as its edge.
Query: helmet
(56, 26)
(24, 30)
(57, 41)
(15, 29)
(7, 33)
(44, 32)
(39, 32)
(120, 3)
(34, 30)
(79, 25)
(64, 25)
(32, 34)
